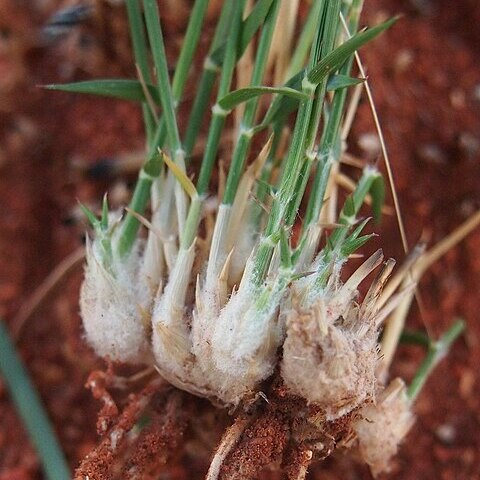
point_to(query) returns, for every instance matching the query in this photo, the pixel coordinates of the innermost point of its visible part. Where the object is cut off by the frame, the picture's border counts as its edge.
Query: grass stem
(436, 352)
(207, 78)
(216, 125)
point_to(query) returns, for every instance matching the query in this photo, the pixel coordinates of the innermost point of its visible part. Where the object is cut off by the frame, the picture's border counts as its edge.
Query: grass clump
(248, 297)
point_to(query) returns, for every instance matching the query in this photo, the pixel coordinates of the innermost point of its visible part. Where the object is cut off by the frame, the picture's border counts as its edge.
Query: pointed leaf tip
(95, 223)
(104, 220)
(338, 82)
(122, 89)
(331, 62)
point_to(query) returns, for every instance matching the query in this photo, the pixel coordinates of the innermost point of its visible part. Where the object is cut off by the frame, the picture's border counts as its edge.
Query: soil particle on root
(161, 440)
(284, 435)
(100, 461)
(262, 444)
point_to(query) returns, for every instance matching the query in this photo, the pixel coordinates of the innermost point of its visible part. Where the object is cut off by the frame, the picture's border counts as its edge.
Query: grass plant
(211, 304)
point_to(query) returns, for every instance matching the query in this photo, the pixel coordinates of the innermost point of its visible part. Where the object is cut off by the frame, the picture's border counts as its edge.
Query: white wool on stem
(234, 345)
(205, 314)
(170, 330)
(325, 360)
(217, 352)
(244, 343)
(382, 427)
(153, 261)
(151, 270)
(110, 307)
(244, 245)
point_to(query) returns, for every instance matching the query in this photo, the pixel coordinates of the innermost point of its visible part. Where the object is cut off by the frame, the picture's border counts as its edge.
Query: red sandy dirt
(426, 83)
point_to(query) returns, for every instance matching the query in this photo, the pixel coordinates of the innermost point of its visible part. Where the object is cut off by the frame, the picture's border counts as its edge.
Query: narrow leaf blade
(123, 89)
(181, 177)
(337, 82)
(94, 221)
(231, 100)
(253, 22)
(250, 27)
(335, 59)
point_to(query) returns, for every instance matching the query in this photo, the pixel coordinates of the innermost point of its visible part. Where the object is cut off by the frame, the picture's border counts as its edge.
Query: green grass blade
(141, 195)
(304, 44)
(334, 60)
(352, 245)
(337, 82)
(192, 35)
(122, 89)
(437, 350)
(216, 58)
(218, 117)
(240, 153)
(301, 146)
(207, 79)
(282, 106)
(249, 28)
(353, 203)
(377, 192)
(140, 51)
(252, 23)
(415, 337)
(216, 126)
(155, 35)
(92, 219)
(139, 38)
(235, 98)
(30, 409)
(330, 143)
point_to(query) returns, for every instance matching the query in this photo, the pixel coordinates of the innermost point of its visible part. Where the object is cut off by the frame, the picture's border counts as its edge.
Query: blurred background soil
(425, 75)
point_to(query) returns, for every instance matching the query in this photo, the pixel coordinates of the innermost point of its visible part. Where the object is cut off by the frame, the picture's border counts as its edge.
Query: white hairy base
(244, 344)
(110, 307)
(383, 426)
(330, 351)
(222, 352)
(324, 359)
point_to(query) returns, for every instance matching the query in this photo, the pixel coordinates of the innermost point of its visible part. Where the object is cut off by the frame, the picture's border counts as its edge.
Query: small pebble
(370, 144)
(431, 153)
(446, 433)
(469, 144)
(467, 384)
(403, 60)
(476, 92)
(457, 98)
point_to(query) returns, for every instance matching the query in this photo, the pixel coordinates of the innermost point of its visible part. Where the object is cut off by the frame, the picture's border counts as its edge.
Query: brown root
(100, 464)
(229, 440)
(158, 442)
(98, 383)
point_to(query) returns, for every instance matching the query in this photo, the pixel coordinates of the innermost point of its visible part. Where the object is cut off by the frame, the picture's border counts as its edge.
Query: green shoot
(437, 350)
